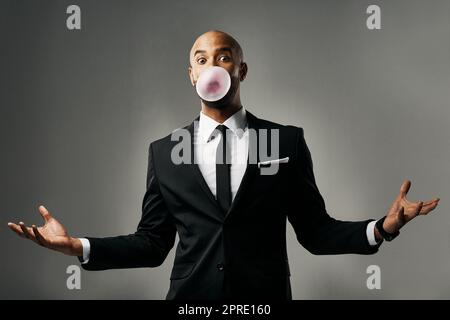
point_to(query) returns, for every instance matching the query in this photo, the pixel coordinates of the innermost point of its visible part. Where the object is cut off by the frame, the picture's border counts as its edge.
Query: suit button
(220, 266)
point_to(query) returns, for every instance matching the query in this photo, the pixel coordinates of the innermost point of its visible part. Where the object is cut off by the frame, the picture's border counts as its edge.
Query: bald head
(217, 39)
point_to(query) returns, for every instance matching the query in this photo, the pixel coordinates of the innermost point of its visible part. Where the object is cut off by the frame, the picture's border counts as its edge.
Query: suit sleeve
(318, 232)
(149, 245)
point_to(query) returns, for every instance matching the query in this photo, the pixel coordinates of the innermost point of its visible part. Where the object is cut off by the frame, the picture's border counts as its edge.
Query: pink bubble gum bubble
(213, 83)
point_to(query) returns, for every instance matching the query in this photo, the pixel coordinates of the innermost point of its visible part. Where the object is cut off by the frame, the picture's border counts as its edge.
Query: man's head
(217, 48)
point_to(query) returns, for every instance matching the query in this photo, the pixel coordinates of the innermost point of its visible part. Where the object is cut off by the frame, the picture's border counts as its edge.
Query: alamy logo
(263, 146)
(373, 21)
(73, 21)
(74, 280)
(374, 280)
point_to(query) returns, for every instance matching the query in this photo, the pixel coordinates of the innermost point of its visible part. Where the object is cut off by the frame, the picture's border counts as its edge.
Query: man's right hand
(51, 235)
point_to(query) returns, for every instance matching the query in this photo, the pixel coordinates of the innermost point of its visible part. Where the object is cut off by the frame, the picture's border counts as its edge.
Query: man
(231, 219)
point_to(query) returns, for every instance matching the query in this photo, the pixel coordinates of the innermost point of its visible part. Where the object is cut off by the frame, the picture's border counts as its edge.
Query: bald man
(231, 219)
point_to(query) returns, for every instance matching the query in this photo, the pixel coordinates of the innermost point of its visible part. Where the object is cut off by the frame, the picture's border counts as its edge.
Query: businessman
(230, 218)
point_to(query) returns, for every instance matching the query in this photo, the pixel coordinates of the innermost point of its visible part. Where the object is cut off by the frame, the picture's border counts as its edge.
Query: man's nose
(212, 63)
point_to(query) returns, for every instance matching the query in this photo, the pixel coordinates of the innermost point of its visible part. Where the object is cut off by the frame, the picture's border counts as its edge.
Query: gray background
(79, 109)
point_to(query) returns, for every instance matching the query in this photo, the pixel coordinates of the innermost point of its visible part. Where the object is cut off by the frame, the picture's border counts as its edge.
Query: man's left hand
(402, 210)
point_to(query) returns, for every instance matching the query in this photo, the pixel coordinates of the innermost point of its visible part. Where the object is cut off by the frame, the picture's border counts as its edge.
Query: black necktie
(223, 185)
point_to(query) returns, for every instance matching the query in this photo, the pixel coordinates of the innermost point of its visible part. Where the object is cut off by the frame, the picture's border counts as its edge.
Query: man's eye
(225, 58)
(201, 60)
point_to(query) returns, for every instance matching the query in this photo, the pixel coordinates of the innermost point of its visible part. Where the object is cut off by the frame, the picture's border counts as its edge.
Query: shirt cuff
(370, 232)
(86, 250)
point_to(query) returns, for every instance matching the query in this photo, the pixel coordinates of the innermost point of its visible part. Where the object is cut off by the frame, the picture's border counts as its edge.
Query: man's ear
(191, 76)
(243, 69)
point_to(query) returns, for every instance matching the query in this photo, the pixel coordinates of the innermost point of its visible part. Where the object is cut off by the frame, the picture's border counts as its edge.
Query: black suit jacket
(240, 254)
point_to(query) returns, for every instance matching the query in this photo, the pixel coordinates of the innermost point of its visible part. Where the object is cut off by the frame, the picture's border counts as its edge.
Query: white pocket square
(268, 163)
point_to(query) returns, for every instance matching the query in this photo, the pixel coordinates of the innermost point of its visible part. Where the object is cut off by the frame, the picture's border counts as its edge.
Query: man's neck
(220, 115)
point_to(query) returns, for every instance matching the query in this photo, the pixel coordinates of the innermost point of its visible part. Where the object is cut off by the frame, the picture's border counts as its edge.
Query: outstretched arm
(147, 247)
(321, 234)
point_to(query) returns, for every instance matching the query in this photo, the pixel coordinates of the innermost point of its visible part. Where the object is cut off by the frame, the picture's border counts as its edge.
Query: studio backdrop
(83, 96)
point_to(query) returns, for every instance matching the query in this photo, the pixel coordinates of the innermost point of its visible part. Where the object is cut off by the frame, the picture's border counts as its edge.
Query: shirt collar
(236, 123)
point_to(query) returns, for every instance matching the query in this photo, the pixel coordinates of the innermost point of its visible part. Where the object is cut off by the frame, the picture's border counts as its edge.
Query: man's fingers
(404, 188)
(38, 236)
(27, 232)
(14, 227)
(435, 200)
(419, 207)
(401, 216)
(24, 229)
(426, 208)
(44, 213)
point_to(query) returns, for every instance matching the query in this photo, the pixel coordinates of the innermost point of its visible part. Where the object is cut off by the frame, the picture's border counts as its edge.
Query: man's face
(215, 49)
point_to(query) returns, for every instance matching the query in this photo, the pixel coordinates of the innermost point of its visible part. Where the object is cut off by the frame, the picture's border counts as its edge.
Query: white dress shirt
(205, 145)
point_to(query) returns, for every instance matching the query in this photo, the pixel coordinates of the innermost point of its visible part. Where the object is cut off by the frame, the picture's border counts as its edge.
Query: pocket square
(265, 164)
